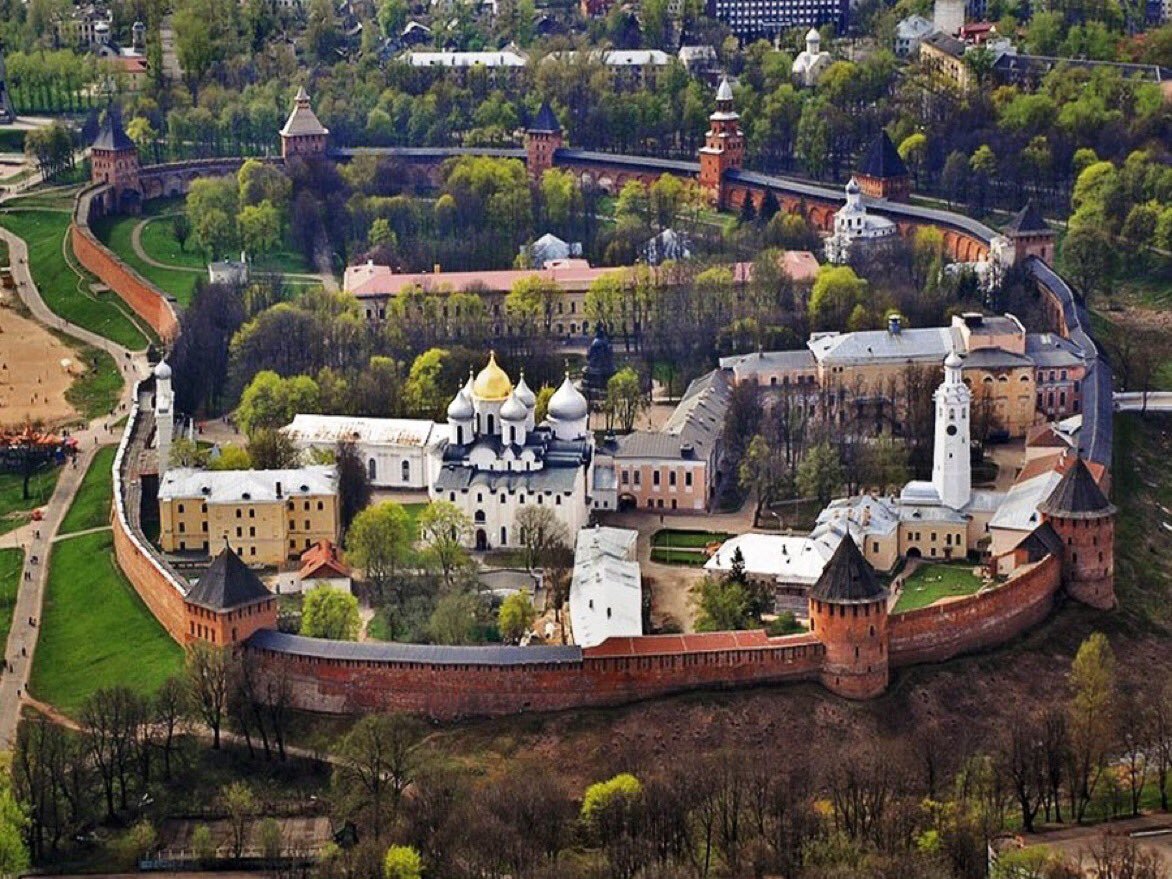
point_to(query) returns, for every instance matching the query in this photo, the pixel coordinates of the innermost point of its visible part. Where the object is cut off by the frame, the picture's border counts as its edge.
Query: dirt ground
(33, 380)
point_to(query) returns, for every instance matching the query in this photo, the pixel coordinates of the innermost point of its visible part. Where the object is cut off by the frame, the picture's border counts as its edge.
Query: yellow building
(266, 516)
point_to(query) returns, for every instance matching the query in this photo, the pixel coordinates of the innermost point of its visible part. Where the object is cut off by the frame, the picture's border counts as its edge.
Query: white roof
(859, 516)
(466, 59)
(1019, 512)
(869, 346)
(606, 593)
(913, 27)
(392, 432)
(790, 559)
(236, 486)
(635, 58)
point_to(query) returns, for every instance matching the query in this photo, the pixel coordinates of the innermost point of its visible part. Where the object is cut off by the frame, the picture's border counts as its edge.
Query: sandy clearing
(32, 381)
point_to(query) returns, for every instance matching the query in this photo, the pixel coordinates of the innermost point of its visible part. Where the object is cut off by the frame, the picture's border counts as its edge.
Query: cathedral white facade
(498, 460)
(854, 228)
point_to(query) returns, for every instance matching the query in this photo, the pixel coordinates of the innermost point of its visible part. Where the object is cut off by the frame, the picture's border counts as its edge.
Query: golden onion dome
(492, 384)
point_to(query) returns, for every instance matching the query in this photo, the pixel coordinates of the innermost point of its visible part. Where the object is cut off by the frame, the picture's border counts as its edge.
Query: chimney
(687, 450)
(894, 324)
(279, 488)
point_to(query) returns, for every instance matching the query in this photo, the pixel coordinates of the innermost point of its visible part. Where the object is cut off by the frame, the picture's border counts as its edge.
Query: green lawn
(693, 557)
(44, 231)
(11, 564)
(91, 505)
(115, 232)
(931, 583)
(683, 538)
(97, 391)
(14, 509)
(413, 511)
(95, 631)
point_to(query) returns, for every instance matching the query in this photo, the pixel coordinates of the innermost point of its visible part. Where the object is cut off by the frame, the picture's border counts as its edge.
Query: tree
(540, 532)
(207, 680)
(820, 473)
(625, 399)
(516, 616)
(913, 149)
(379, 542)
(271, 449)
(353, 482)
(375, 763)
(14, 822)
(612, 815)
(392, 16)
(270, 401)
(454, 620)
(760, 472)
(444, 529)
(230, 458)
(424, 395)
(724, 605)
(1088, 253)
(260, 228)
(187, 453)
(541, 406)
(110, 720)
(327, 612)
(402, 862)
(181, 229)
(241, 805)
(1091, 717)
(837, 291)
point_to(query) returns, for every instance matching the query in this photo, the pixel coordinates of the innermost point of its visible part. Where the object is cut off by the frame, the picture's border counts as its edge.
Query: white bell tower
(164, 415)
(951, 466)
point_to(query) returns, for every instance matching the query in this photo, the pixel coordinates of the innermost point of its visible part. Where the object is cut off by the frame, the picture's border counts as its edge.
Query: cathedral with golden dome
(498, 459)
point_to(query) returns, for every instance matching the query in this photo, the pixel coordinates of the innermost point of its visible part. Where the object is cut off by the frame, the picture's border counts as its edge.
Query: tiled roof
(848, 578)
(425, 654)
(882, 160)
(545, 121)
(1025, 221)
(112, 136)
(302, 121)
(1077, 496)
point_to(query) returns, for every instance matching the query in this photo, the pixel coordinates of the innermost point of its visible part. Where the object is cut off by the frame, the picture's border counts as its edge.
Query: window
(239, 513)
(637, 474)
(181, 508)
(252, 531)
(655, 477)
(504, 536)
(688, 479)
(626, 477)
(671, 478)
(306, 524)
(406, 471)
(252, 513)
(239, 531)
(182, 527)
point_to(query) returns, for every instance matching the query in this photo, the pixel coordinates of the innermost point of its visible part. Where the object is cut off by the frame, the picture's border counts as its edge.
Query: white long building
(401, 453)
(606, 593)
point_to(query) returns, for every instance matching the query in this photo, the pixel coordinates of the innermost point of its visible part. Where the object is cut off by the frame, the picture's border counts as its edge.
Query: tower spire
(951, 464)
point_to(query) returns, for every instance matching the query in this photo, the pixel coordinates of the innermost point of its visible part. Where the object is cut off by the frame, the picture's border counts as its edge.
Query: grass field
(44, 231)
(96, 392)
(685, 539)
(693, 557)
(11, 563)
(91, 505)
(95, 631)
(159, 241)
(14, 509)
(930, 583)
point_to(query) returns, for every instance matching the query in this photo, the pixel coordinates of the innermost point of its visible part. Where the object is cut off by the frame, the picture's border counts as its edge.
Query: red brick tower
(114, 160)
(883, 173)
(724, 146)
(1082, 516)
(1030, 235)
(228, 603)
(303, 134)
(543, 139)
(848, 614)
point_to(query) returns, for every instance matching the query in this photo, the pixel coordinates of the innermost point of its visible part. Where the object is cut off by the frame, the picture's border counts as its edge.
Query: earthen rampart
(976, 622)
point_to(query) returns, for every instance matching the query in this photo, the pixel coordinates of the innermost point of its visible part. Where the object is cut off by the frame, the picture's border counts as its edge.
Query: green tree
(1088, 254)
(270, 449)
(181, 229)
(402, 862)
(260, 228)
(14, 855)
(625, 399)
(760, 471)
(837, 290)
(724, 605)
(423, 393)
(379, 542)
(270, 401)
(820, 473)
(454, 620)
(913, 149)
(392, 16)
(327, 612)
(516, 616)
(444, 529)
(231, 457)
(1091, 717)
(541, 406)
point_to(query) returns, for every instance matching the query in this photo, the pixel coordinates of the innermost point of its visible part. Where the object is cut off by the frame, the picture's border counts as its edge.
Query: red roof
(699, 642)
(322, 562)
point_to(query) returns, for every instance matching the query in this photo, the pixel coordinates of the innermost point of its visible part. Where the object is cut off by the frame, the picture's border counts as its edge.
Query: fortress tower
(1030, 235)
(303, 134)
(114, 160)
(164, 415)
(543, 138)
(883, 173)
(951, 462)
(1082, 516)
(848, 614)
(724, 145)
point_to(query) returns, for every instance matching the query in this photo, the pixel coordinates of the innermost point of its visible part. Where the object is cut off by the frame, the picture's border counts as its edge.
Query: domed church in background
(498, 460)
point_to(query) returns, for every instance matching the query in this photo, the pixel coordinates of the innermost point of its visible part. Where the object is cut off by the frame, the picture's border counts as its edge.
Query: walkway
(325, 280)
(22, 639)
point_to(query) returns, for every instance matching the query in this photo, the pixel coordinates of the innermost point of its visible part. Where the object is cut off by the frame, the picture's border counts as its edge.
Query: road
(37, 537)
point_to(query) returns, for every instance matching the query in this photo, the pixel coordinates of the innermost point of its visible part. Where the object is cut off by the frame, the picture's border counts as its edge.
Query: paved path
(325, 280)
(38, 536)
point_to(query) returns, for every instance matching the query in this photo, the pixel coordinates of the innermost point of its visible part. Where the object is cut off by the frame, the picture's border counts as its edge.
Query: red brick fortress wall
(978, 622)
(617, 671)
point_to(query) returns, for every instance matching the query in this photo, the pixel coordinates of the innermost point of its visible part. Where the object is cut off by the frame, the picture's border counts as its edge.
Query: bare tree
(208, 677)
(110, 719)
(376, 762)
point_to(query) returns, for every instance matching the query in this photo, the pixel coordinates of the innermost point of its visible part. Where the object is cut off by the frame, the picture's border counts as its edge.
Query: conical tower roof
(883, 159)
(848, 578)
(112, 136)
(546, 121)
(227, 583)
(302, 120)
(1027, 220)
(1077, 496)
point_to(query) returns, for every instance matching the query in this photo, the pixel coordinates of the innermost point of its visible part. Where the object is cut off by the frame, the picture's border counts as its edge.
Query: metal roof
(423, 654)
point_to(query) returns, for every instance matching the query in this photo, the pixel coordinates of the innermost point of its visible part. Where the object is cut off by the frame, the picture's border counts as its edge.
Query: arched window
(491, 425)
(504, 536)
(372, 470)
(406, 471)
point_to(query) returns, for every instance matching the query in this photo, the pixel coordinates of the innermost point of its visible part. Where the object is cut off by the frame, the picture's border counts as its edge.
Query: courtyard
(929, 584)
